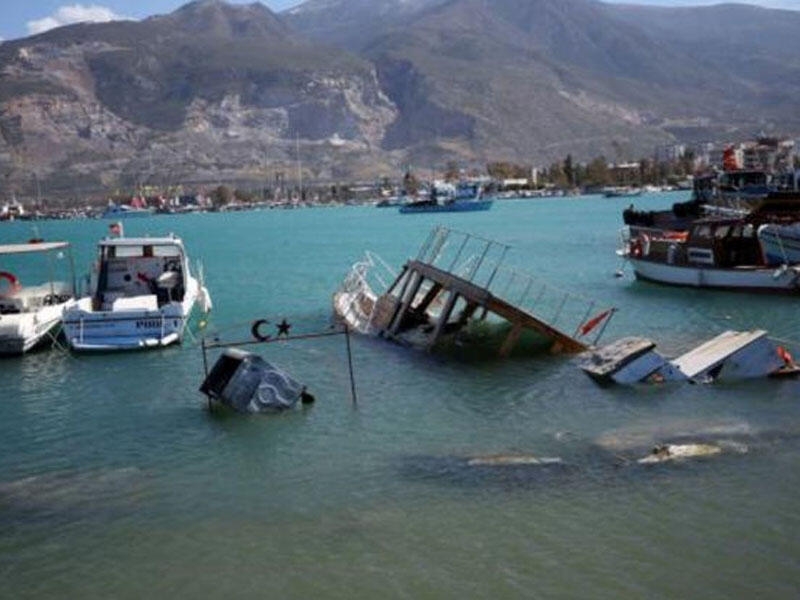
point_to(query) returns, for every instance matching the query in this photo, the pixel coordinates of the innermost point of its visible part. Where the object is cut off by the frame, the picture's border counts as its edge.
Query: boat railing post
(478, 264)
(458, 255)
(560, 308)
(80, 329)
(526, 292)
(428, 241)
(163, 325)
(497, 266)
(436, 250)
(509, 284)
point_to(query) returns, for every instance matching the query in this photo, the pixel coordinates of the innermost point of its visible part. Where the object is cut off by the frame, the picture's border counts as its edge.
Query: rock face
(210, 92)
(217, 92)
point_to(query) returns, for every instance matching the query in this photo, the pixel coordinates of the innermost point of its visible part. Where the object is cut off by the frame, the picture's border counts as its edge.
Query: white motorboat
(142, 294)
(31, 314)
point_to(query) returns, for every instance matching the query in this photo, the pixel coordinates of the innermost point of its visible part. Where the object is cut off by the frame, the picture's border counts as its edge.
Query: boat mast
(299, 168)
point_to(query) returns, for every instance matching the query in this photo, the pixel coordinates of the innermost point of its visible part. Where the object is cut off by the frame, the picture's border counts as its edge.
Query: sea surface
(117, 482)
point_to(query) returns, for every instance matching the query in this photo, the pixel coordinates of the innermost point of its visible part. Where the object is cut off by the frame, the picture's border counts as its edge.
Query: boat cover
(249, 384)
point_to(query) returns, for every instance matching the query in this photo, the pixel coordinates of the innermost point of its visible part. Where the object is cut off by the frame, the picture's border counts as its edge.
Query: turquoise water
(115, 481)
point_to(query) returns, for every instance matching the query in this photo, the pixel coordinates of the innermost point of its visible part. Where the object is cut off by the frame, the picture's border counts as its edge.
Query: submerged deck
(457, 277)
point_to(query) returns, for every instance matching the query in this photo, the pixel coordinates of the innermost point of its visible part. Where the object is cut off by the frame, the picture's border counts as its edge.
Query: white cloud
(74, 13)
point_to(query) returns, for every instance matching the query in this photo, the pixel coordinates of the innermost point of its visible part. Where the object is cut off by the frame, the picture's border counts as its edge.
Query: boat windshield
(140, 271)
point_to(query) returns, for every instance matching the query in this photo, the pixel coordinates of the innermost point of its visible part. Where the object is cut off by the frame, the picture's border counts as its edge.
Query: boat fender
(255, 330)
(635, 249)
(306, 397)
(13, 282)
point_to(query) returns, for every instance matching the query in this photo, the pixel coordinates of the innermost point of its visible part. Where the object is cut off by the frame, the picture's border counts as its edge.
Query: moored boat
(713, 253)
(622, 192)
(31, 314)
(142, 295)
(136, 208)
(464, 196)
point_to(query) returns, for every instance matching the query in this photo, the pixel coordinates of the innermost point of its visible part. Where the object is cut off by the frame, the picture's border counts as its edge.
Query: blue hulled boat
(446, 197)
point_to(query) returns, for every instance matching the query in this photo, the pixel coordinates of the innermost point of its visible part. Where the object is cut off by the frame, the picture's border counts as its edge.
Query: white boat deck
(716, 350)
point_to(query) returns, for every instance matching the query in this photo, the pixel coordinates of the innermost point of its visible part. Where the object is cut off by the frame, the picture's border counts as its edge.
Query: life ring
(635, 249)
(13, 282)
(255, 330)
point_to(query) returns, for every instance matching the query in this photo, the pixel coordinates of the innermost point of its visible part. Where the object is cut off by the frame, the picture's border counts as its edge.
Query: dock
(457, 277)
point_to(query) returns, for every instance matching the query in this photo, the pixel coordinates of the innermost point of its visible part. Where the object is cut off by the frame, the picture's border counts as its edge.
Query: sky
(26, 17)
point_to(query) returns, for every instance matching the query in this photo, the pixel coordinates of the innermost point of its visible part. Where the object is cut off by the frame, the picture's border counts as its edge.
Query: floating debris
(456, 279)
(247, 383)
(730, 355)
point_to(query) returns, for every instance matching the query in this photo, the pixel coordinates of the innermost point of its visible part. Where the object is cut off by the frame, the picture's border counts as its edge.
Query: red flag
(594, 321)
(729, 160)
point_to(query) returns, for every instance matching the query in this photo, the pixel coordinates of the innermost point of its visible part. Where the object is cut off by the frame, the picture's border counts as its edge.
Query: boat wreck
(457, 279)
(248, 384)
(729, 356)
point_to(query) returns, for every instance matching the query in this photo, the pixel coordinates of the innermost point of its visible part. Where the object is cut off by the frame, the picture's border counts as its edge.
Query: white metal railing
(367, 279)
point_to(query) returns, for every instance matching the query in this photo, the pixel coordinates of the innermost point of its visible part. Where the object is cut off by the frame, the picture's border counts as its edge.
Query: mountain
(210, 91)
(361, 88)
(541, 78)
(351, 24)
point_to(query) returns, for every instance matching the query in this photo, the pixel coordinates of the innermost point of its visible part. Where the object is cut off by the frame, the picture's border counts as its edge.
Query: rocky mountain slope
(363, 87)
(210, 92)
(545, 77)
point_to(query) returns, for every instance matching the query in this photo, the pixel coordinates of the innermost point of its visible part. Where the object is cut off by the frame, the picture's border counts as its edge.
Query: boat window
(166, 251)
(147, 251)
(129, 251)
(702, 231)
(721, 231)
(748, 231)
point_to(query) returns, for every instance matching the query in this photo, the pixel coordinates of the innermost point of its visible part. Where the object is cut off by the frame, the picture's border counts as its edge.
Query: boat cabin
(723, 243)
(136, 272)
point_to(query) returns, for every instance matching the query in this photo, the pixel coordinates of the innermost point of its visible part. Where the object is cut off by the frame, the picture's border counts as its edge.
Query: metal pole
(460, 250)
(350, 365)
(603, 328)
(424, 248)
(560, 308)
(479, 263)
(497, 266)
(72, 271)
(205, 358)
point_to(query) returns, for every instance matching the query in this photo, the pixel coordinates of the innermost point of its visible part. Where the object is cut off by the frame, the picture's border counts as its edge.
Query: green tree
(221, 196)
(597, 172)
(569, 171)
(410, 183)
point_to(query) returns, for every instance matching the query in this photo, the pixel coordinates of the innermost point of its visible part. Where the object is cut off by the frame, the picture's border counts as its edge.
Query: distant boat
(141, 296)
(622, 192)
(446, 197)
(126, 211)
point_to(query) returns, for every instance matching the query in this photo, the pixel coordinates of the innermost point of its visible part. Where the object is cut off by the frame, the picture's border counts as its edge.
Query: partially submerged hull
(732, 355)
